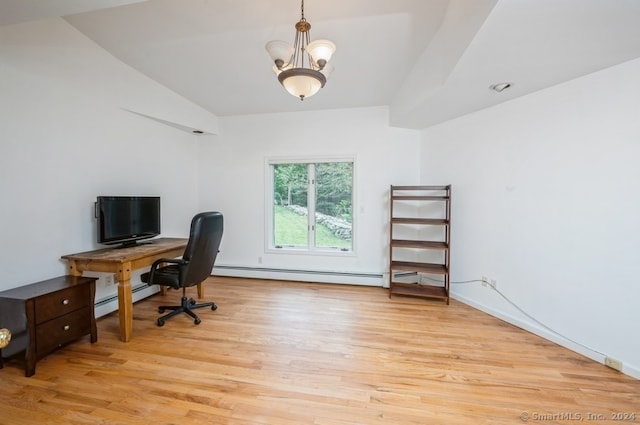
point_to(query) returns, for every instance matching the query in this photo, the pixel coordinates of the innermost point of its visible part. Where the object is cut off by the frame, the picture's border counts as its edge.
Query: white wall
(545, 196)
(546, 201)
(232, 171)
(65, 139)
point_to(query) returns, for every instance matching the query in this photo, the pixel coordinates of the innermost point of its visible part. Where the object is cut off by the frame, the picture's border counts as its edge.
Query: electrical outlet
(613, 363)
(493, 283)
(109, 280)
(485, 281)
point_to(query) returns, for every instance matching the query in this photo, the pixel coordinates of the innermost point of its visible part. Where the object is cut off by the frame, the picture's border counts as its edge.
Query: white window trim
(268, 208)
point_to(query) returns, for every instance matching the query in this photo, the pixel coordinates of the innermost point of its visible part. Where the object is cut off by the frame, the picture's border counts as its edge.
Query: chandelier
(303, 68)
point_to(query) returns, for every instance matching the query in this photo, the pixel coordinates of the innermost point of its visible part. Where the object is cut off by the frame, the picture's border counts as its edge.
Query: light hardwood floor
(291, 353)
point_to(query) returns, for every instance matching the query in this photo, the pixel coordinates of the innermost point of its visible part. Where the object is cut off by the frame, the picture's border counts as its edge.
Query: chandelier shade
(280, 51)
(321, 51)
(302, 82)
(303, 68)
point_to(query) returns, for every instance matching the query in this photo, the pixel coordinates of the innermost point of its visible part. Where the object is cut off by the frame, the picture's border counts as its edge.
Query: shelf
(416, 220)
(404, 243)
(419, 267)
(417, 290)
(414, 188)
(419, 198)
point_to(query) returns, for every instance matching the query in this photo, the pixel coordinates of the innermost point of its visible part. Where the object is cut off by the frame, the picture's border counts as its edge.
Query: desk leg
(125, 302)
(94, 326)
(73, 268)
(75, 271)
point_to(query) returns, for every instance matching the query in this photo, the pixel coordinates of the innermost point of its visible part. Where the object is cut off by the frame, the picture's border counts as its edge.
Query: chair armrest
(154, 266)
(159, 261)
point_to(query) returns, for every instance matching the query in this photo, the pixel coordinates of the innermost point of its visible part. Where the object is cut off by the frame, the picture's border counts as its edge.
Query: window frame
(310, 249)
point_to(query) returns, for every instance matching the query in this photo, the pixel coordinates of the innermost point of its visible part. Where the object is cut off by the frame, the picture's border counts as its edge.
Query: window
(311, 205)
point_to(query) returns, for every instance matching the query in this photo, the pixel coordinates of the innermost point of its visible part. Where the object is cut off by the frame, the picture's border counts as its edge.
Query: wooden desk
(122, 261)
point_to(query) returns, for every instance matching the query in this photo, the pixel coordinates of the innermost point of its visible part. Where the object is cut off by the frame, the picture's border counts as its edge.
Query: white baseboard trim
(544, 333)
(319, 276)
(110, 304)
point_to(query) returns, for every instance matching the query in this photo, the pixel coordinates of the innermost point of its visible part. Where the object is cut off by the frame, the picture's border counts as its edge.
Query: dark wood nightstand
(46, 315)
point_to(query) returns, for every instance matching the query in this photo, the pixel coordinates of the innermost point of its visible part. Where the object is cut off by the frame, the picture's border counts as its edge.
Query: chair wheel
(160, 322)
(160, 310)
(214, 307)
(197, 321)
(192, 301)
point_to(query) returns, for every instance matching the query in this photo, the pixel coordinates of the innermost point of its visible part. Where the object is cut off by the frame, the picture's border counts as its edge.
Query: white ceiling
(430, 60)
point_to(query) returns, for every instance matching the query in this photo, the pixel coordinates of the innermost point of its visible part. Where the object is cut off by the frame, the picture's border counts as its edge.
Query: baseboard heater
(321, 276)
(109, 304)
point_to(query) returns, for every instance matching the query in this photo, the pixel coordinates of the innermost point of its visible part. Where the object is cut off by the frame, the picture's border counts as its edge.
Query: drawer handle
(65, 301)
(66, 327)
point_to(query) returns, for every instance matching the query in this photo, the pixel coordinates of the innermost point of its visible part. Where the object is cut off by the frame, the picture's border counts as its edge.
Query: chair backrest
(202, 248)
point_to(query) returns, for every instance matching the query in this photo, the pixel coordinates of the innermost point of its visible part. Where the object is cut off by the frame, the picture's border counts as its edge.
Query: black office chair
(194, 266)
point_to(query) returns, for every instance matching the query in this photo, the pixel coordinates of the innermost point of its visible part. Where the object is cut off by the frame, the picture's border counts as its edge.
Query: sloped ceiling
(429, 60)
(16, 11)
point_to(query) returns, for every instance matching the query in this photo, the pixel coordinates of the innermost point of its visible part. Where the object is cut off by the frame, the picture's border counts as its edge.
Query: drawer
(59, 303)
(62, 330)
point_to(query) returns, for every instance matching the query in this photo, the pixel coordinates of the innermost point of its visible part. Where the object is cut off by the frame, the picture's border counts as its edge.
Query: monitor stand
(131, 244)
